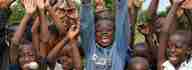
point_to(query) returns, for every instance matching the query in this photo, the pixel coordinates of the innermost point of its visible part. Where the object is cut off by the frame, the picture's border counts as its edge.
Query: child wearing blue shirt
(105, 41)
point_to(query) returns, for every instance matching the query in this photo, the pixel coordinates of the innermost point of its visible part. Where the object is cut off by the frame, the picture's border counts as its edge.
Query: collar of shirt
(184, 66)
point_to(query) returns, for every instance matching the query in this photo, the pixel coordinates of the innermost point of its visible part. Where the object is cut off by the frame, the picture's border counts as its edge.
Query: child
(138, 63)
(104, 43)
(27, 58)
(179, 52)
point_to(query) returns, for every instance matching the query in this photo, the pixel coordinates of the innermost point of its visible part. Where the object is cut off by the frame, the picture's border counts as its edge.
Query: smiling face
(27, 55)
(104, 32)
(66, 62)
(178, 49)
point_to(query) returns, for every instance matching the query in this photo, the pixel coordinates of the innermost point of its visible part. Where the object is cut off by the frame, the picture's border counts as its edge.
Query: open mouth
(173, 58)
(105, 40)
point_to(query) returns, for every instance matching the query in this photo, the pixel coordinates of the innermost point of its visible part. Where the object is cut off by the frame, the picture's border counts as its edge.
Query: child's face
(60, 13)
(104, 32)
(178, 49)
(66, 62)
(27, 56)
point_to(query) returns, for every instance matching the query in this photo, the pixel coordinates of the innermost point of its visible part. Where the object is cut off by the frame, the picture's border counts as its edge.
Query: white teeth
(173, 58)
(105, 40)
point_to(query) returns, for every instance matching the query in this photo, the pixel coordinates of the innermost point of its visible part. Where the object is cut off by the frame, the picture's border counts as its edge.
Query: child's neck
(177, 66)
(97, 45)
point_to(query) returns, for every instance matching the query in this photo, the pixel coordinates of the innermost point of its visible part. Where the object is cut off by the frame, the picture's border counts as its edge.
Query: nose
(104, 33)
(173, 50)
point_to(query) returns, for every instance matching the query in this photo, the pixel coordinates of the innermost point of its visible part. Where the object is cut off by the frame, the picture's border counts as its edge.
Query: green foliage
(144, 16)
(109, 4)
(17, 13)
(162, 14)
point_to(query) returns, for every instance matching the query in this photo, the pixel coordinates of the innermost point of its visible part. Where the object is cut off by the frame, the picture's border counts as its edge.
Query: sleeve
(87, 28)
(122, 28)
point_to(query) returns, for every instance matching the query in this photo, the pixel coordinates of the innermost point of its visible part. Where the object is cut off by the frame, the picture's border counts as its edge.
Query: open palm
(40, 4)
(30, 6)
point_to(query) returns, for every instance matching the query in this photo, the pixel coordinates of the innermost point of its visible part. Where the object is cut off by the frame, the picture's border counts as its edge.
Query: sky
(162, 6)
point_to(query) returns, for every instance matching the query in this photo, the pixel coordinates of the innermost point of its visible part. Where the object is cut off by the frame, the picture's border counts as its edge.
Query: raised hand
(30, 6)
(187, 4)
(178, 1)
(144, 29)
(40, 4)
(5, 3)
(138, 3)
(73, 31)
(47, 4)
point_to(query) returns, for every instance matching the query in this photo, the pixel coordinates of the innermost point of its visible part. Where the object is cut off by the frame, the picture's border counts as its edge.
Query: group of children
(56, 35)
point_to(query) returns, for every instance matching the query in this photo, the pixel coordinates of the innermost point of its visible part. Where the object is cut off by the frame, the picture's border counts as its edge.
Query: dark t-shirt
(3, 46)
(14, 67)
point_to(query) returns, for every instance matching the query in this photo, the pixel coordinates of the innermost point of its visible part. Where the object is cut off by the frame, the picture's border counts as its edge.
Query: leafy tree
(17, 12)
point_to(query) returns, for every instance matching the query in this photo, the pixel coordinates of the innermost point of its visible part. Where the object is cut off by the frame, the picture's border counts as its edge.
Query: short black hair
(187, 35)
(138, 60)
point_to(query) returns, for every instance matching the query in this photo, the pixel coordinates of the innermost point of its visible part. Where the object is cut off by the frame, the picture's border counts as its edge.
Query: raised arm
(52, 55)
(171, 17)
(44, 23)
(153, 7)
(76, 55)
(30, 9)
(35, 35)
(121, 32)
(72, 35)
(87, 27)
(122, 26)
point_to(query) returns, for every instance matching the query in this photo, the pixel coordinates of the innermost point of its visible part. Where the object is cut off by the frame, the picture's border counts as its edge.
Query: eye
(60, 61)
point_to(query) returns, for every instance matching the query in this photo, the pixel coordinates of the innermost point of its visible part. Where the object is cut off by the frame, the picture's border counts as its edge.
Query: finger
(29, 1)
(24, 2)
(34, 2)
(72, 28)
(44, 1)
(38, 1)
(78, 27)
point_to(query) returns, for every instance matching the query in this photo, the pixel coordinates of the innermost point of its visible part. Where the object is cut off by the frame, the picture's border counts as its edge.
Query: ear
(189, 51)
